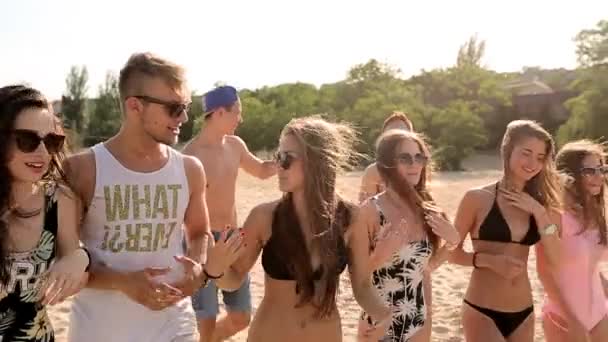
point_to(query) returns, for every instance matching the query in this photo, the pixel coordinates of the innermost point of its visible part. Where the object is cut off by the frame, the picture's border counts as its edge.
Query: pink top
(578, 276)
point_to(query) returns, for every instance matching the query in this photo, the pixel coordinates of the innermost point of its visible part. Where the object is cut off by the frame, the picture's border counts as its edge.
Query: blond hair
(147, 65)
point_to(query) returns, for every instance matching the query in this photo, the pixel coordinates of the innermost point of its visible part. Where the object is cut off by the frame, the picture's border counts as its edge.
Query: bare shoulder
(235, 142)
(81, 162)
(259, 221)
(555, 215)
(191, 149)
(63, 191)
(371, 171)
(480, 194)
(195, 172)
(264, 211)
(80, 174)
(192, 163)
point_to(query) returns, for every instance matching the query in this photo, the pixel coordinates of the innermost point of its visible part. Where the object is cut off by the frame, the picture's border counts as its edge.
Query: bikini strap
(496, 193)
(374, 199)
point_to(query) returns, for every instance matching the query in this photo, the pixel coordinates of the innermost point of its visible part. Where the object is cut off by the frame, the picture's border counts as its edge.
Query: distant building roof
(528, 87)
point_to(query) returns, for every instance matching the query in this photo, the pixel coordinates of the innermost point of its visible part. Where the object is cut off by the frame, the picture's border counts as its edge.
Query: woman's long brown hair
(545, 186)
(592, 209)
(328, 150)
(416, 196)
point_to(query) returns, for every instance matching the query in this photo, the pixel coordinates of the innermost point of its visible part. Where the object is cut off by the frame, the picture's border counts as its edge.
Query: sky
(253, 43)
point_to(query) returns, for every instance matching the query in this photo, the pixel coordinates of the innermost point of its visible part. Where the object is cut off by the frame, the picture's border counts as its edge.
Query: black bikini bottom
(506, 322)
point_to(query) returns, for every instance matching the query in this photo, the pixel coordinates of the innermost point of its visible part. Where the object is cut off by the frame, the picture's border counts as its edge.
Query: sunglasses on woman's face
(174, 109)
(28, 141)
(285, 159)
(592, 171)
(409, 159)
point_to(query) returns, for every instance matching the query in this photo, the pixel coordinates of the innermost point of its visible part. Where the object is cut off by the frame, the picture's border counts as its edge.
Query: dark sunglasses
(174, 109)
(28, 141)
(285, 159)
(409, 159)
(592, 171)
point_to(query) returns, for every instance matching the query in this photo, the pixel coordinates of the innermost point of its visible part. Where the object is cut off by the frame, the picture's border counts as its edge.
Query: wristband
(88, 257)
(209, 276)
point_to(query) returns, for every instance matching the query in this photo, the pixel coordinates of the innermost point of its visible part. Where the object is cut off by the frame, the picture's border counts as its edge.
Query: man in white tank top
(142, 196)
(223, 154)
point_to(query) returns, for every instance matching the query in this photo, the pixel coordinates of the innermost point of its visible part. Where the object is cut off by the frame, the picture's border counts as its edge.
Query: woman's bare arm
(360, 268)
(256, 231)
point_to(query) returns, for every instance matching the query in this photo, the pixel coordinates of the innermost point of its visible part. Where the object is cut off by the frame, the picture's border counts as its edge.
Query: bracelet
(212, 277)
(89, 257)
(475, 260)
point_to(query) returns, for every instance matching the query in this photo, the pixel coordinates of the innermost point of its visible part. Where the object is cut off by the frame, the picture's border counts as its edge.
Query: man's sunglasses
(28, 141)
(592, 171)
(285, 159)
(409, 159)
(174, 109)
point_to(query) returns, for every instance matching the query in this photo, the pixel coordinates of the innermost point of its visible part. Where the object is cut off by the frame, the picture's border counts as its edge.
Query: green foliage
(589, 110)
(460, 132)
(592, 45)
(195, 117)
(460, 108)
(106, 117)
(74, 99)
(471, 53)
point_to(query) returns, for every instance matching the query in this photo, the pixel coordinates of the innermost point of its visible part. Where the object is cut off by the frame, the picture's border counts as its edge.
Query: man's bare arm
(196, 218)
(253, 165)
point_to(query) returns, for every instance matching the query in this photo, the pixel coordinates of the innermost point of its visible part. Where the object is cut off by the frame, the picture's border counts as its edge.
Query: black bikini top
(495, 228)
(276, 260)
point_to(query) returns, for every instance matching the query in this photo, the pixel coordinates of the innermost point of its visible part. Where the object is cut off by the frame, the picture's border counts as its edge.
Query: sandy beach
(449, 281)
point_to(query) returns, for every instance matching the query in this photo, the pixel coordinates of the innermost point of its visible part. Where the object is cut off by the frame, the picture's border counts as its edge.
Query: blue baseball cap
(223, 96)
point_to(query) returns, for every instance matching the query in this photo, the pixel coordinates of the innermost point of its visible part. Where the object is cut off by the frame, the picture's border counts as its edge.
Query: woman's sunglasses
(174, 109)
(285, 159)
(28, 141)
(592, 171)
(409, 159)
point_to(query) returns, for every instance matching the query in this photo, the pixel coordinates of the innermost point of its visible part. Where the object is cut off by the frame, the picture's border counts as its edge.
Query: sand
(449, 281)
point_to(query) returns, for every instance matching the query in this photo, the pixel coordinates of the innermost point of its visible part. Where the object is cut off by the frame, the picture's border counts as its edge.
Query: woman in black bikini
(504, 220)
(304, 239)
(38, 218)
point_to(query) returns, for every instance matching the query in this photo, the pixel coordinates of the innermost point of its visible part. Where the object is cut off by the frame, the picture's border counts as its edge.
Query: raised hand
(64, 277)
(224, 252)
(522, 200)
(442, 227)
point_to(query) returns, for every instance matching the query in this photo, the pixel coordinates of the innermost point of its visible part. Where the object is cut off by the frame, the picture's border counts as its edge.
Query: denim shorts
(206, 304)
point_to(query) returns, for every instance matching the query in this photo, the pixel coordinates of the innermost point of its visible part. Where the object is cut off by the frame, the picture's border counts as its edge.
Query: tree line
(460, 109)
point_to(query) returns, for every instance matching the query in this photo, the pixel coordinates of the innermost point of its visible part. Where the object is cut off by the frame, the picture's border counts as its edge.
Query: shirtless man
(142, 196)
(222, 153)
(371, 184)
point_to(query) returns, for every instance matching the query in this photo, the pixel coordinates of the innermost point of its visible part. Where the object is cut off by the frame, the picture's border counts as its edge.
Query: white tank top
(134, 221)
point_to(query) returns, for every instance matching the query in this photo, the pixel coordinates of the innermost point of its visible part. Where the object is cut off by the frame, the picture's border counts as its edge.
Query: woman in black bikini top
(515, 213)
(40, 262)
(305, 240)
